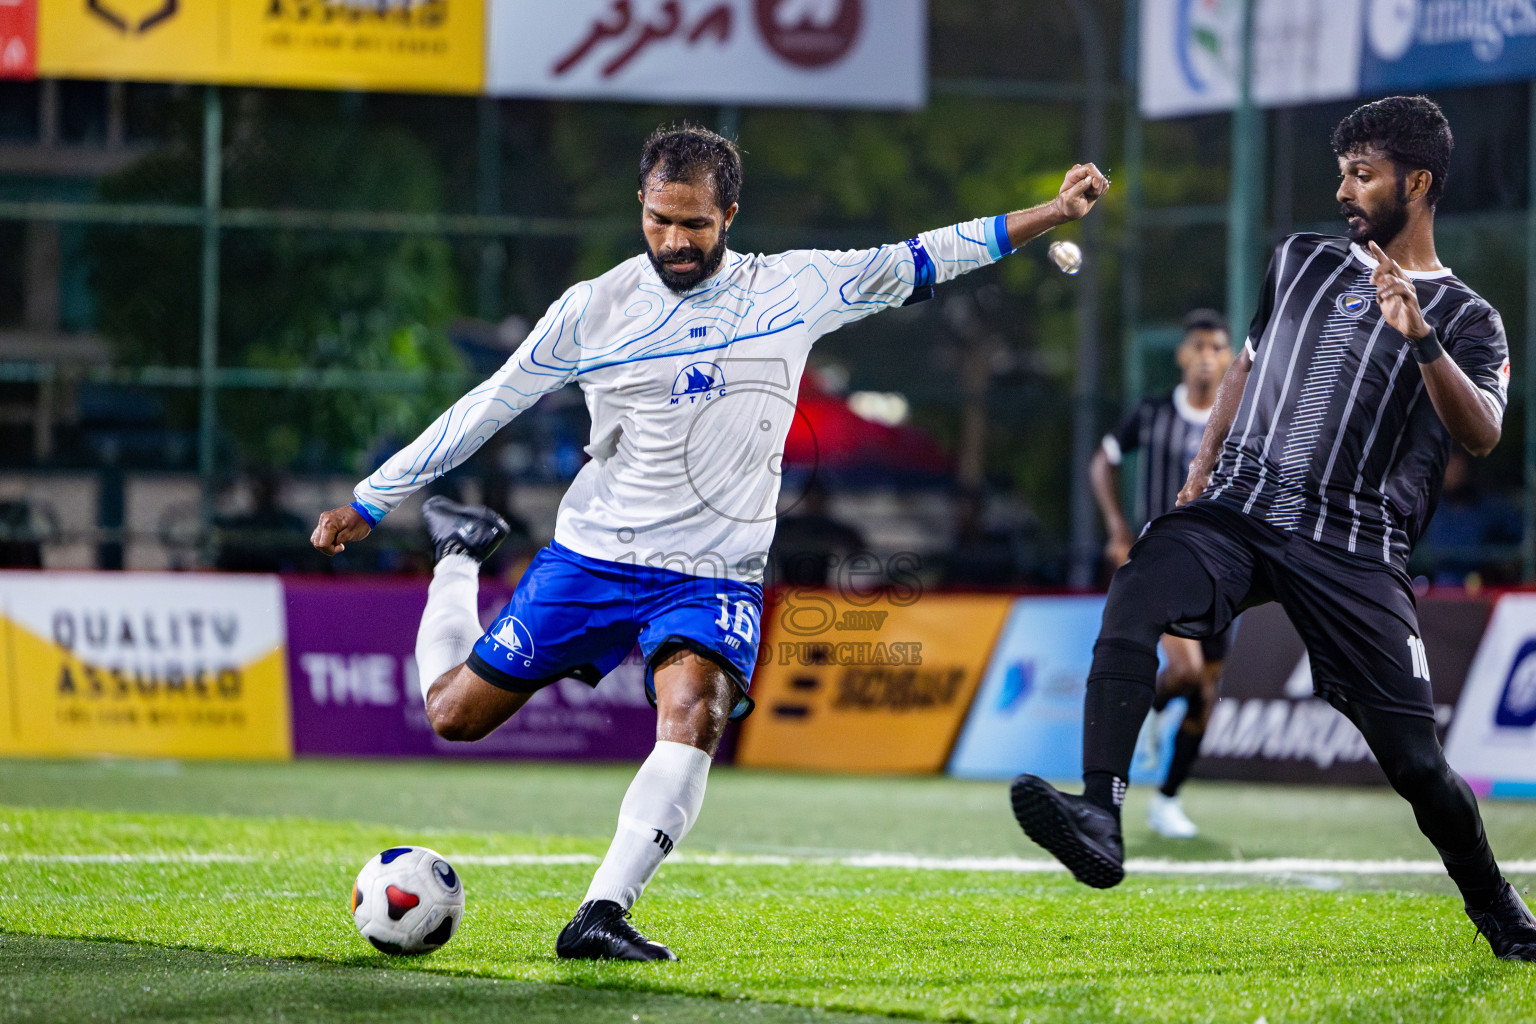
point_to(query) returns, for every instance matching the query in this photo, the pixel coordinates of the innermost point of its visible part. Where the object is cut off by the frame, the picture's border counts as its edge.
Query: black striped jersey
(1166, 431)
(1335, 437)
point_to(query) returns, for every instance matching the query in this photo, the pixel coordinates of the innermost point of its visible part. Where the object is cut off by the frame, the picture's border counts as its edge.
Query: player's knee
(1417, 773)
(453, 719)
(1183, 678)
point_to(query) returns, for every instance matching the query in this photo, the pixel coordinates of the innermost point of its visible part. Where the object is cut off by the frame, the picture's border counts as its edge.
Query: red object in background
(827, 433)
(18, 39)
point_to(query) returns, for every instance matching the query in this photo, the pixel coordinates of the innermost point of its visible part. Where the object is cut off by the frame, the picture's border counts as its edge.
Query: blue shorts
(577, 617)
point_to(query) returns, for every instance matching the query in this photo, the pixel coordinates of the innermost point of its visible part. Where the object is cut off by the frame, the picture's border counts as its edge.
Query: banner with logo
(1493, 739)
(867, 683)
(148, 664)
(356, 692)
(18, 38)
(870, 53)
(408, 45)
(1028, 714)
(1310, 51)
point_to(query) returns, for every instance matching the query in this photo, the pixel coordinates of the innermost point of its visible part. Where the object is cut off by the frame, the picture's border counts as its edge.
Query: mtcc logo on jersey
(1517, 704)
(698, 382)
(1353, 306)
(510, 633)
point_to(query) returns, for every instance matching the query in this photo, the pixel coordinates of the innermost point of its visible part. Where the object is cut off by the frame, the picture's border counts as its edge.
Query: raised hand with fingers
(1396, 296)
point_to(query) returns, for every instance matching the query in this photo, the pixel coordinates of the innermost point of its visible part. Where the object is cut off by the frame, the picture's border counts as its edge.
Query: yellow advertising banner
(868, 684)
(156, 40)
(403, 45)
(149, 665)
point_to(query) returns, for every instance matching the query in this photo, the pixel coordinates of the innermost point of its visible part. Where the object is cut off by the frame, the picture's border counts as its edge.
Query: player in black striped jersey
(1164, 432)
(1322, 462)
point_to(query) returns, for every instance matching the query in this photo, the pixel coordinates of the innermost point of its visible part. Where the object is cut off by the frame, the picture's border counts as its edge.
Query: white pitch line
(126, 858)
(1017, 865)
(878, 861)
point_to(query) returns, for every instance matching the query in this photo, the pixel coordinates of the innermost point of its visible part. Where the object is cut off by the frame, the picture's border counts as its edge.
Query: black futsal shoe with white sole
(1508, 926)
(472, 530)
(601, 931)
(1076, 831)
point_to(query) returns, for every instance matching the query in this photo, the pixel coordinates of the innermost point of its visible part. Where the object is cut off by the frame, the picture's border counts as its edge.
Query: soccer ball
(407, 901)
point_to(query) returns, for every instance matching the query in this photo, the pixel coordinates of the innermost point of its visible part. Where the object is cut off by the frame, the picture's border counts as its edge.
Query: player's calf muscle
(463, 708)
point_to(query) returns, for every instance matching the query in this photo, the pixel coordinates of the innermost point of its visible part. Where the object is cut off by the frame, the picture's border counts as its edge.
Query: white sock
(450, 624)
(661, 806)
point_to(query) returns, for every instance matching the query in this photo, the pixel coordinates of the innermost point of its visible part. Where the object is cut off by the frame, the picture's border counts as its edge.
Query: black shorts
(1356, 616)
(1216, 648)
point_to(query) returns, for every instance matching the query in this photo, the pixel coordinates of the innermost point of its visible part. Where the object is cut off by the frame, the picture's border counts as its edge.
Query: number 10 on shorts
(1419, 657)
(742, 625)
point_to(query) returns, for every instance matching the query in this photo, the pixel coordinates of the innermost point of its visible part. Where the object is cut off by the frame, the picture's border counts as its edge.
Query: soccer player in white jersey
(690, 358)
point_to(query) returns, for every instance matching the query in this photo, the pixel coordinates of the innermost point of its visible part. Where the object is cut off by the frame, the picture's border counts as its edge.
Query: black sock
(1186, 750)
(1119, 696)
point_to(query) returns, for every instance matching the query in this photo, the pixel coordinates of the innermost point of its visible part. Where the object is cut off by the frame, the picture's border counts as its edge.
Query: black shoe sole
(568, 954)
(1037, 808)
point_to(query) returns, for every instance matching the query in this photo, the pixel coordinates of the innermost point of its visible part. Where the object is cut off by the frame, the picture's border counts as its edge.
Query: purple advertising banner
(352, 677)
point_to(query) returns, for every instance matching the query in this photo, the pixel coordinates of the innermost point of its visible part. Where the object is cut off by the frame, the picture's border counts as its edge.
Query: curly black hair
(687, 152)
(1410, 130)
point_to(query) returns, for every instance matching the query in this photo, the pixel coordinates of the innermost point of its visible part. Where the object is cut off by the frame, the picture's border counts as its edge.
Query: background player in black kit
(1321, 465)
(1165, 432)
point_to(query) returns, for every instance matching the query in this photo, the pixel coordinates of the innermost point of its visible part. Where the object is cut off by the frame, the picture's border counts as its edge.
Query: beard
(705, 264)
(1382, 226)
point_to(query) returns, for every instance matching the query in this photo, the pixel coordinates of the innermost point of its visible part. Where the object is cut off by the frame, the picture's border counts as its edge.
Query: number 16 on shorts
(743, 623)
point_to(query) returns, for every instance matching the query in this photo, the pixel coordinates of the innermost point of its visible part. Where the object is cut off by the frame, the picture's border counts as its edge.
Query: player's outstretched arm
(838, 287)
(1468, 412)
(1083, 186)
(1228, 397)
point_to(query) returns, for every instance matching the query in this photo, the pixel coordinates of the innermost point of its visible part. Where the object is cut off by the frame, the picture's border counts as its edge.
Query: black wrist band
(1428, 348)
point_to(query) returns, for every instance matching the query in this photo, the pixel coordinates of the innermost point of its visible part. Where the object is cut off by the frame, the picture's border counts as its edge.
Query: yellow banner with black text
(150, 665)
(876, 683)
(400, 45)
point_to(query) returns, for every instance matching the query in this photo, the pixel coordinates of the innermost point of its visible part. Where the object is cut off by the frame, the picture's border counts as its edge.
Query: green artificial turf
(747, 811)
(933, 944)
(50, 980)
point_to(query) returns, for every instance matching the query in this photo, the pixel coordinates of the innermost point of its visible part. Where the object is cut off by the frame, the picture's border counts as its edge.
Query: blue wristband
(368, 516)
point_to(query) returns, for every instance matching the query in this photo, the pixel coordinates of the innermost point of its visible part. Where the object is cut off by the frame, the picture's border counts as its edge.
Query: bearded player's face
(1373, 197)
(685, 230)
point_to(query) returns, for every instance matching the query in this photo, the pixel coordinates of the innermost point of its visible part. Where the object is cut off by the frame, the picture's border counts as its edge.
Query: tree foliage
(288, 298)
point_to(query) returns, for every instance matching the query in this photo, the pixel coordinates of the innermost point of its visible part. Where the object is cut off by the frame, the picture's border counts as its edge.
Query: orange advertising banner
(868, 683)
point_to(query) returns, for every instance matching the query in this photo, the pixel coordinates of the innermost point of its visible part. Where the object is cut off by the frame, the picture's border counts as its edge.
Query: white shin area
(658, 810)
(450, 624)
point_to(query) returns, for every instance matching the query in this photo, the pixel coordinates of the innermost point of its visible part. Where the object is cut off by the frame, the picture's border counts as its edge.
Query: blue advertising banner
(1028, 714)
(1312, 51)
(1418, 44)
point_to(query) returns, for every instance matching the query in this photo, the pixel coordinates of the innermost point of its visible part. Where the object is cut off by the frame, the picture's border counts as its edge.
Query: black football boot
(601, 931)
(1507, 925)
(1078, 832)
(472, 530)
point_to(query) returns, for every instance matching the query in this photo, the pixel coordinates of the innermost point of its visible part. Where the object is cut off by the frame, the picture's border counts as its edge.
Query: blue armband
(998, 244)
(924, 273)
(370, 515)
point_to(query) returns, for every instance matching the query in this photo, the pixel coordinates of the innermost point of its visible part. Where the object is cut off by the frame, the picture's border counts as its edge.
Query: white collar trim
(1199, 417)
(1418, 275)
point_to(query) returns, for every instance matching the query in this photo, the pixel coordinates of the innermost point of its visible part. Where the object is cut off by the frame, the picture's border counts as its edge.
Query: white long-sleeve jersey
(691, 395)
